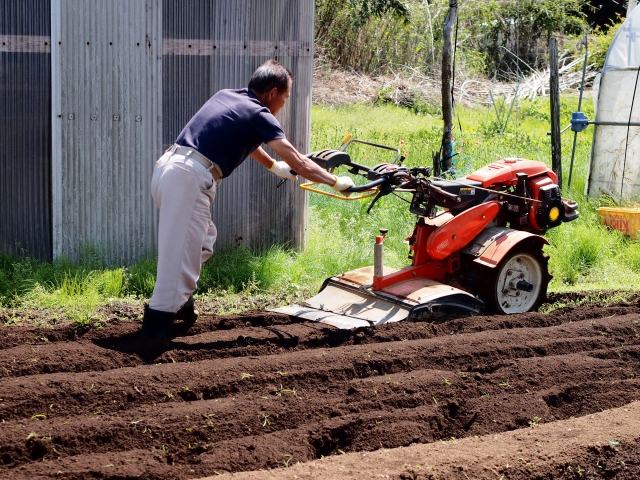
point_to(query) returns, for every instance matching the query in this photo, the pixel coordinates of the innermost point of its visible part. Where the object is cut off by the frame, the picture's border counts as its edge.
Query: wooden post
(447, 79)
(554, 91)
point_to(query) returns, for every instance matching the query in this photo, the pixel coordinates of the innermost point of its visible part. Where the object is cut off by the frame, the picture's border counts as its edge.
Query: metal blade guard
(348, 301)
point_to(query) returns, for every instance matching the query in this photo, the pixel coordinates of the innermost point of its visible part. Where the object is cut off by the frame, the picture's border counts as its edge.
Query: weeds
(286, 390)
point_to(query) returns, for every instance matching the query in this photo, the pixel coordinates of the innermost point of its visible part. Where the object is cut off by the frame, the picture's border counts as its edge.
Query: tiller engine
(476, 246)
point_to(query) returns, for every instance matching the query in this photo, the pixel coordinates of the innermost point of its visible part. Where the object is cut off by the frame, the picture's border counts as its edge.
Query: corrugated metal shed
(218, 44)
(106, 78)
(92, 91)
(25, 127)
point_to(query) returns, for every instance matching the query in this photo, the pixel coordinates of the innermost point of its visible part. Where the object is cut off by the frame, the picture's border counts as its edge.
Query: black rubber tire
(495, 288)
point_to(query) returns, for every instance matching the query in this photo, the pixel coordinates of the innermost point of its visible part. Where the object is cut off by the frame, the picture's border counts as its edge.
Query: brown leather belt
(198, 157)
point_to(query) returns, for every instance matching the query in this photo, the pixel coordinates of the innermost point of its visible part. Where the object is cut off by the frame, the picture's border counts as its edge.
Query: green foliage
(520, 26)
(584, 255)
(19, 274)
(377, 36)
(371, 39)
(600, 42)
(140, 279)
(230, 269)
(110, 283)
(579, 247)
(358, 12)
(363, 10)
(630, 255)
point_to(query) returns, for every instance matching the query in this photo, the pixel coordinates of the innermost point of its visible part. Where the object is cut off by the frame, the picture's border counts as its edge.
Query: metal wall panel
(85, 114)
(106, 116)
(25, 124)
(213, 44)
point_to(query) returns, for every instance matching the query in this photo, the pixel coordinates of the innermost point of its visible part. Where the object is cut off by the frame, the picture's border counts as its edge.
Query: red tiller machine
(476, 246)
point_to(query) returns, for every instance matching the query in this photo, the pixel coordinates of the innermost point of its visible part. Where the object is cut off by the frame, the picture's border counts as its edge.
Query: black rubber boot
(156, 324)
(188, 313)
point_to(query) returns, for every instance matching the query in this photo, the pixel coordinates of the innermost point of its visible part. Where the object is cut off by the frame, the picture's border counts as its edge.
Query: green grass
(585, 256)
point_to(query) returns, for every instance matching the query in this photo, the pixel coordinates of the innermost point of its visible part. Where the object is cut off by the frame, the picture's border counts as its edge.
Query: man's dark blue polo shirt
(230, 126)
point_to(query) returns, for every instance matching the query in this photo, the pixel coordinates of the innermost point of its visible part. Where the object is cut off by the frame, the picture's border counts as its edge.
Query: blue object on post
(579, 121)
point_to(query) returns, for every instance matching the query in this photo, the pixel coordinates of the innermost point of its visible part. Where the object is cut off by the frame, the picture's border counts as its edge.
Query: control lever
(385, 189)
(292, 172)
(439, 191)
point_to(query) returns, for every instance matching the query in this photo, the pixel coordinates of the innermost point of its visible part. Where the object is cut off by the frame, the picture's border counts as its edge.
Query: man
(230, 126)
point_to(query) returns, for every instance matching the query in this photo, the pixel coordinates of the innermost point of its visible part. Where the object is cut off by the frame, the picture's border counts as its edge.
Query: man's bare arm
(262, 157)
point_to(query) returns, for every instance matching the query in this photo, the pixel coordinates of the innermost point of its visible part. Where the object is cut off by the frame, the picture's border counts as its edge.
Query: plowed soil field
(263, 391)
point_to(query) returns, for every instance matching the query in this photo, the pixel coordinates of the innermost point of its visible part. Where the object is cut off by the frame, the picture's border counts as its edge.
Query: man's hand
(342, 183)
(283, 170)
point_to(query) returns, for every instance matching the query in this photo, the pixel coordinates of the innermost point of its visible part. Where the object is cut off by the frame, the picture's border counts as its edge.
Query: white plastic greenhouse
(615, 158)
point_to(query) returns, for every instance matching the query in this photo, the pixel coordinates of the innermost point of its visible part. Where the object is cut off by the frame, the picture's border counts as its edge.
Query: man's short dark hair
(271, 74)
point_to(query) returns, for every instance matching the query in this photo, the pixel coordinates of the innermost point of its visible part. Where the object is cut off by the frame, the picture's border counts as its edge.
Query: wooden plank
(177, 46)
(251, 48)
(554, 97)
(25, 43)
(186, 46)
(447, 80)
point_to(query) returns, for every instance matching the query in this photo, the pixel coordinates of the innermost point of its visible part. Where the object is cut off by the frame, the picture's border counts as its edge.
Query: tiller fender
(460, 230)
(494, 243)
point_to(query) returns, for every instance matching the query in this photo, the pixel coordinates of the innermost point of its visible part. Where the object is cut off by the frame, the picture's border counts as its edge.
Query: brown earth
(261, 391)
(606, 441)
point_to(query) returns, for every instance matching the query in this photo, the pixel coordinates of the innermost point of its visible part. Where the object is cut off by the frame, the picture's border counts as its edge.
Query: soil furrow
(126, 350)
(420, 394)
(309, 334)
(132, 464)
(579, 448)
(120, 389)
(258, 390)
(367, 431)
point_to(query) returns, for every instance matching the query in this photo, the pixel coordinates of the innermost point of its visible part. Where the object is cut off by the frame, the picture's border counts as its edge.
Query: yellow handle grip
(311, 188)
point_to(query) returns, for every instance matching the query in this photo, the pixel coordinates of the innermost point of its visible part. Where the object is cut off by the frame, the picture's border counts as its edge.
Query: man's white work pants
(183, 190)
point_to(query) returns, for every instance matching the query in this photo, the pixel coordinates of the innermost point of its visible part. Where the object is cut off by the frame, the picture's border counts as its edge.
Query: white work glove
(342, 183)
(283, 170)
